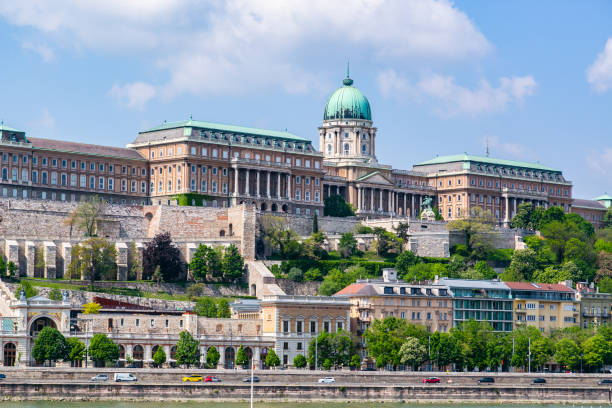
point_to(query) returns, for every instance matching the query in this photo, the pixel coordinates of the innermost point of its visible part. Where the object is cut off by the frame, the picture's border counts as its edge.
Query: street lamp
(581, 355)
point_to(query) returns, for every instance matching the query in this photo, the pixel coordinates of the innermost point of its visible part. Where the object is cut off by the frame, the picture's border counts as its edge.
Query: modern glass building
(481, 300)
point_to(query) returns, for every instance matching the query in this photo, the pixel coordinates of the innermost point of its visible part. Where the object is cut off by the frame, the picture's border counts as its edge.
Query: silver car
(327, 380)
(100, 377)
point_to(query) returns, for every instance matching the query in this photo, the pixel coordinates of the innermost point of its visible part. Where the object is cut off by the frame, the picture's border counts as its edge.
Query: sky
(530, 79)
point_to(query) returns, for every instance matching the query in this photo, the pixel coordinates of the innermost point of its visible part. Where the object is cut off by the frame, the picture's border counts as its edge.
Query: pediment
(375, 178)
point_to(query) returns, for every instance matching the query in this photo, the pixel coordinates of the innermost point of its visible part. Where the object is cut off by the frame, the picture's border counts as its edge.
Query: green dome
(347, 102)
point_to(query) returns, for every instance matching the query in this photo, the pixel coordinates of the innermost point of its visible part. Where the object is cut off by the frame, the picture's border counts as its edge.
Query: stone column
(358, 199)
(289, 186)
(66, 256)
(122, 261)
(148, 356)
(390, 203)
(256, 356)
(278, 185)
(507, 215)
(246, 183)
(50, 251)
(221, 350)
(514, 213)
(404, 204)
(380, 206)
(257, 189)
(328, 190)
(236, 189)
(268, 184)
(412, 205)
(371, 199)
(30, 253)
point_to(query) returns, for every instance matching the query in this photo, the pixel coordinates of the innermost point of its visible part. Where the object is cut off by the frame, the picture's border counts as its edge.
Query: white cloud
(599, 74)
(601, 161)
(46, 120)
(241, 45)
(134, 95)
(451, 99)
(45, 52)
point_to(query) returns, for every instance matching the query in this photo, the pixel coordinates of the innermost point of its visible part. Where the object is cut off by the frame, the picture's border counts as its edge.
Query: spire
(487, 150)
(347, 81)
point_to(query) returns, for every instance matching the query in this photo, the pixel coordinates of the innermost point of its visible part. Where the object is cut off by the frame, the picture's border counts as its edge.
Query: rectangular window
(73, 180)
(92, 182)
(285, 326)
(63, 179)
(110, 183)
(214, 186)
(64, 164)
(24, 175)
(313, 327)
(34, 176)
(101, 183)
(44, 177)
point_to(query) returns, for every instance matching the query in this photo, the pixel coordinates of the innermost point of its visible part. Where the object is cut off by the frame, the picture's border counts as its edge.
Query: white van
(125, 377)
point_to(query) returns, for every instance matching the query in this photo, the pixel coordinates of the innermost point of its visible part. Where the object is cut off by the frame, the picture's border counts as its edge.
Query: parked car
(100, 377)
(605, 381)
(369, 369)
(248, 379)
(431, 380)
(211, 378)
(538, 381)
(193, 378)
(486, 380)
(327, 380)
(119, 377)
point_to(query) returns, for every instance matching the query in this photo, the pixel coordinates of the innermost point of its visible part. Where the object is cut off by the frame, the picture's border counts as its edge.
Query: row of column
(273, 183)
(511, 204)
(375, 200)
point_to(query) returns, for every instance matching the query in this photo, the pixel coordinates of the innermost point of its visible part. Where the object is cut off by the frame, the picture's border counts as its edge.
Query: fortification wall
(302, 224)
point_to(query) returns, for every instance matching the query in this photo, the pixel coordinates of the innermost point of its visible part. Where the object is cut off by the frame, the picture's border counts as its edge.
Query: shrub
(27, 287)
(313, 274)
(295, 274)
(55, 294)
(299, 361)
(195, 290)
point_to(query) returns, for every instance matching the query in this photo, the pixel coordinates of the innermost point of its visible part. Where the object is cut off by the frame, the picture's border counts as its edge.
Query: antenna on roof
(487, 149)
(347, 68)
(190, 117)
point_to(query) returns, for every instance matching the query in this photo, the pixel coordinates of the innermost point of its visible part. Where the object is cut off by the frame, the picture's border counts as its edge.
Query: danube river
(41, 404)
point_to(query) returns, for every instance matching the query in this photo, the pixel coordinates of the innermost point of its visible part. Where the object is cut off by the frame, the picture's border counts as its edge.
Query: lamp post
(581, 355)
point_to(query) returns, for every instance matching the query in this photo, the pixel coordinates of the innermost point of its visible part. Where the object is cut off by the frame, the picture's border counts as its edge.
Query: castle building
(209, 164)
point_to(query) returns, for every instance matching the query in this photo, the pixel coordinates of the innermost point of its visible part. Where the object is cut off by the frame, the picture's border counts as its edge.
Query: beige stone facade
(594, 306)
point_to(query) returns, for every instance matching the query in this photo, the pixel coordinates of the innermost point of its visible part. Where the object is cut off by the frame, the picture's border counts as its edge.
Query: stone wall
(302, 224)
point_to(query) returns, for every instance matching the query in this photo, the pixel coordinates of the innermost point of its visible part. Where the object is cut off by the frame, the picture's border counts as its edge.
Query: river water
(62, 404)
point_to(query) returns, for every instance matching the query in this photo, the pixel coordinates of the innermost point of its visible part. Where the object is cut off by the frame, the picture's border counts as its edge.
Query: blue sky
(532, 78)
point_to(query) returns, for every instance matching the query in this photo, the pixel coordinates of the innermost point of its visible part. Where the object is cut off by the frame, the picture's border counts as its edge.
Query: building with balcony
(425, 305)
(544, 305)
(480, 300)
(594, 306)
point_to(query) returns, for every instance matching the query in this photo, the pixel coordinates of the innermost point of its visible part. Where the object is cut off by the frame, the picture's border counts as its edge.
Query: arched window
(329, 149)
(363, 148)
(346, 148)
(138, 352)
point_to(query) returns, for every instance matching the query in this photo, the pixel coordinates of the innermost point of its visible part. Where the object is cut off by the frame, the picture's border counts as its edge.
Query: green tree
(542, 349)
(313, 274)
(315, 224)
(94, 259)
(91, 308)
(606, 221)
(241, 357)
(26, 286)
(473, 338)
(50, 345)
(39, 263)
(232, 264)
(223, 309)
(355, 362)
(404, 261)
(159, 358)
(412, 353)
(384, 339)
(295, 274)
(102, 349)
(527, 217)
(212, 357)
(567, 353)
(198, 265)
(347, 245)
(523, 264)
(336, 206)
(87, 215)
(12, 268)
(205, 307)
(55, 294)
(299, 361)
(2, 266)
(445, 350)
(272, 359)
(402, 231)
(484, 270)
(551, 275)
(473, 229)
(157, 276)
(596, 352)
(312, 247)
(337, 347)
(76, 349)
(603, 245)
(187, 349)
(278, 236)
(336, 280)
(134, 262)
(196, 290)
(386, 242)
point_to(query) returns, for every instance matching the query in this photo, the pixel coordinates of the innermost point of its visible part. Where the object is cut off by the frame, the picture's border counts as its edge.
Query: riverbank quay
(36, 390)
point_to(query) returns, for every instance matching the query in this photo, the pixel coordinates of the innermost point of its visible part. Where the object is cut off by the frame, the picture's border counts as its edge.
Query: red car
(210, 378)
(431, 380)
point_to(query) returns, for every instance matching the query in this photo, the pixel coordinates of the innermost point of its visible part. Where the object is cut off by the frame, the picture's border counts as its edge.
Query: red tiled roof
(65, 146)
(352, 289)
(553, 287)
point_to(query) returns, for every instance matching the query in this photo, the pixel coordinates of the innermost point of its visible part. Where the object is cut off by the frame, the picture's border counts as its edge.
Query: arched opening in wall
(254, 204)
(138, 355)
(241, 202)
(222, 233)
(249, 354)
(10, 354)
(285, 208)
(40, 324)
(121, 356)
(253, 291)
(231, 230)
(230, 355)
(274, 208)
(173, 353)
(262, 358)
(263, 207)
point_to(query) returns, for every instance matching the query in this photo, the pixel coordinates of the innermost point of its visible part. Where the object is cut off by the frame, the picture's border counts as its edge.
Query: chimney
(389, 275)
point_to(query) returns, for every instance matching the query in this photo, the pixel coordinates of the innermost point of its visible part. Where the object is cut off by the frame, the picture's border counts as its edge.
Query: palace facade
(209, 164)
